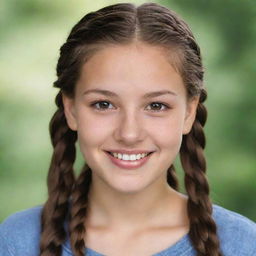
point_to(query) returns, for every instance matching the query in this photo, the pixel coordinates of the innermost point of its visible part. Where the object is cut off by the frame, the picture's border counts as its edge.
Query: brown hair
(122, 24)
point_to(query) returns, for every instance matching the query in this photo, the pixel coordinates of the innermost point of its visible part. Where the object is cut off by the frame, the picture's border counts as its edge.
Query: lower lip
(129, 164)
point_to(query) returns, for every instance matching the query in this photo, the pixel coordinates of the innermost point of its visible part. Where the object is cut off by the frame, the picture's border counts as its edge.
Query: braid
(202, 226)
(60, 182)
(79, 211)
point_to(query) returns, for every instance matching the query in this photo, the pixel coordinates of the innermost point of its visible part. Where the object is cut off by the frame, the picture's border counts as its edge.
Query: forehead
(136, 65)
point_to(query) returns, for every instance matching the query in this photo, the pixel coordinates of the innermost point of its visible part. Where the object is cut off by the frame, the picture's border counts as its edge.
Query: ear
(69, 111)
(190, 114)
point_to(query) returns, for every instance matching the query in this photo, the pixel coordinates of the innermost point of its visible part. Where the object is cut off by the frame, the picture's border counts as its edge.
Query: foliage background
(31, 33)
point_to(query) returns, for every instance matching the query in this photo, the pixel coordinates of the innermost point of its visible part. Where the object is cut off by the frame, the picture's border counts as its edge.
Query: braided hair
(67, 200)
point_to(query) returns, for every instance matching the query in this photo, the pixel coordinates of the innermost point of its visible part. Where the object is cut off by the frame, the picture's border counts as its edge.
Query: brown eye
(158, 106)
(101, 105)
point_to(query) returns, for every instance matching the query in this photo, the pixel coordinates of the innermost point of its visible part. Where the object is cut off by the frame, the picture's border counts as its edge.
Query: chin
(128, 187)
(128, 191)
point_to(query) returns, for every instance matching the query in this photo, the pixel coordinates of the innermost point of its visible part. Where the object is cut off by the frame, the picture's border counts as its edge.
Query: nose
(130, 129)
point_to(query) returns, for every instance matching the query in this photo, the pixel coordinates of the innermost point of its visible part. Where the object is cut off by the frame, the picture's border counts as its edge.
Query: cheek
(167, 132)
(92, 129)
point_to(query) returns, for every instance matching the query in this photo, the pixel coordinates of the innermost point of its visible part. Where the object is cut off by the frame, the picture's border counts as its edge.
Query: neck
(108, 207)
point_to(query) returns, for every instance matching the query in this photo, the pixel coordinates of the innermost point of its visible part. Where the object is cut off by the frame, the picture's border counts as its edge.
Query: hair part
(123, 24)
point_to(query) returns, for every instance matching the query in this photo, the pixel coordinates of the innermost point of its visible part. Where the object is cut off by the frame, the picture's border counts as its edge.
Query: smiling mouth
(129, 157)
(129, 161)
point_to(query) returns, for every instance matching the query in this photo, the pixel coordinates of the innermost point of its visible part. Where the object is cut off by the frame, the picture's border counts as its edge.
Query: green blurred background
(31, 33)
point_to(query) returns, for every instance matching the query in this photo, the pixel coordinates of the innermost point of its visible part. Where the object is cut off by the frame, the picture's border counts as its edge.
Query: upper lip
(129, 152)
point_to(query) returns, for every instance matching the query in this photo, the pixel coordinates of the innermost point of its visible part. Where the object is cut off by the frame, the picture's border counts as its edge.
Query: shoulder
(20, 232)
(237, 233)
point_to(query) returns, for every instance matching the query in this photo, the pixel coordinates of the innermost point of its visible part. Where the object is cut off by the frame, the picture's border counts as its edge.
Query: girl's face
(129, 99)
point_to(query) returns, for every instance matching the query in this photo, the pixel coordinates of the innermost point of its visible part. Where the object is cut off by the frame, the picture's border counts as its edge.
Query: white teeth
(127, 157)
(133, 157)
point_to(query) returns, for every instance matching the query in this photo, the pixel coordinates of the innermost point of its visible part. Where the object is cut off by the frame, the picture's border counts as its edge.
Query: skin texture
(135, 201)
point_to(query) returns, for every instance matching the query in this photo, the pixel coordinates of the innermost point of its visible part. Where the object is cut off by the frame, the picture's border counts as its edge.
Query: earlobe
(190, 114)
(69, 112)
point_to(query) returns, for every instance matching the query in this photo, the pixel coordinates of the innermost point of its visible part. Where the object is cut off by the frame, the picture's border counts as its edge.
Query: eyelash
(93, 105)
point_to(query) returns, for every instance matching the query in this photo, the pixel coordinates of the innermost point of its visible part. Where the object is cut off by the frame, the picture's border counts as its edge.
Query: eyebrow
(147, 95)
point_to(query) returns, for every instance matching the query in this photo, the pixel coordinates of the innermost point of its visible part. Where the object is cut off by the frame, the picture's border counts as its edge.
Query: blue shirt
(20, 235)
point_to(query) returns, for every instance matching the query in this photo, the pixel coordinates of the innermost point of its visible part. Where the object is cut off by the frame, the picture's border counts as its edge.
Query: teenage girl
(132, 95)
